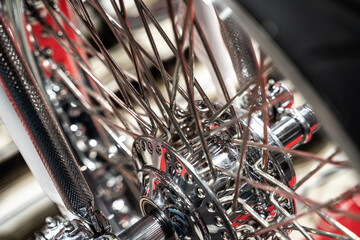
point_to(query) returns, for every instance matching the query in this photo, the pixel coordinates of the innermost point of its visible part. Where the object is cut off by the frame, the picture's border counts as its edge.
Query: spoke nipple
(158, 150)
(142, 143)
(179, 167)
(137, 146)
(189, 178)
(200, 193)
(210, 207)
(167, 157)
(150, 147)
(219, 222)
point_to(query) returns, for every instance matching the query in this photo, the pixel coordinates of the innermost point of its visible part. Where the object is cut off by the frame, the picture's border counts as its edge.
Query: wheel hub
(180, 187)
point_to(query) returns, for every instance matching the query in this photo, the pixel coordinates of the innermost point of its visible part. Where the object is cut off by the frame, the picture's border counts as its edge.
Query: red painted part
(352, 206)
(60, 56)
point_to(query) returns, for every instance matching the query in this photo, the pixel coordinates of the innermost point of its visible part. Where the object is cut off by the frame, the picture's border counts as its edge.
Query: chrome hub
(197, 205)
(169, 183)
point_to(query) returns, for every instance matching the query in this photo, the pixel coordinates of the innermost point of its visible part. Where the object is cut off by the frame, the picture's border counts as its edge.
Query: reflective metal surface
(211, 166)
(152, 226)
(169, 183)
(181, 188)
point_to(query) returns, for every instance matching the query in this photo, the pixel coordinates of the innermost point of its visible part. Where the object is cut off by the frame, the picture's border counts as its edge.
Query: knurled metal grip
(43, 130)
(152, 226)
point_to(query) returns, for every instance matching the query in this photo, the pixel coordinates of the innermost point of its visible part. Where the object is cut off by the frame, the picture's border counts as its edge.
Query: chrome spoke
(236, 120)
(135, 56)
(240, 118)
(105, 103)
(131, 55)
(176, 78)
(306, 155)
(313, 171)
(174, 50)
(122, 13)
(310, 210)
(74, 52)
(323, 233)
(85, 45)
(215, 66)
(243, 151)
(285, 213)
(265, 120)
(163, 72)
(312, 207)
(62, 30)
(212, 59)
(157, 93)
(228, 139)
(104, 88)
(130, 87)
(189, 80)
(337, 225)
(346, 214)
(228, 104)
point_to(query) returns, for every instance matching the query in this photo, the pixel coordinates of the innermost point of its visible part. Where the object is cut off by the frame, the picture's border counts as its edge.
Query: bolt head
(51, 222)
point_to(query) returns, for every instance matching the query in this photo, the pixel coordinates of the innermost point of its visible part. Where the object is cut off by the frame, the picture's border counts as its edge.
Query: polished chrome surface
(171, 185)
(53, 150)
(114, 184)
(152, 226)
(58, 228)
(295, 126)
(208, 163)
(160, 169)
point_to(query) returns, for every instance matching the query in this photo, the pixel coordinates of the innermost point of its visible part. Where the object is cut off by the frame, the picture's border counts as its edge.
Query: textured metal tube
(44, 132)
(152, 227)
(241, 52)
